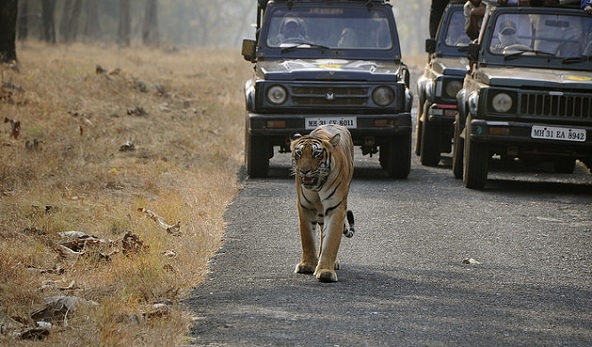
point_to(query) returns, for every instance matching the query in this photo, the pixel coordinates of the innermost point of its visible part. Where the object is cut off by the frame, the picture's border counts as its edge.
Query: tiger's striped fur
(323, 163)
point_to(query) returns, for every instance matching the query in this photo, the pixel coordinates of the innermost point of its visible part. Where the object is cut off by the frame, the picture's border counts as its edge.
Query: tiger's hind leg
(349, 232)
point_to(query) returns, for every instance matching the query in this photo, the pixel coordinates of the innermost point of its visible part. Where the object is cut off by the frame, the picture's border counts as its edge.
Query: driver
(291, 31)
(506, 35)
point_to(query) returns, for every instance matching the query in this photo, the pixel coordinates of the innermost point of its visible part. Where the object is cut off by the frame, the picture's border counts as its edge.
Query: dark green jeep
(437, 87)
(528, 94)
(320, 62)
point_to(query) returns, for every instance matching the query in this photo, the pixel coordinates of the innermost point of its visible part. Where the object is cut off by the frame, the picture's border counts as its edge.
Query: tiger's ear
(335, 140)
(295, 136)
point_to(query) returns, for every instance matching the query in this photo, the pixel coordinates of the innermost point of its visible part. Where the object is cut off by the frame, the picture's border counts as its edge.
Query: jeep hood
(451, 66)
(526, 78)
(329, 69)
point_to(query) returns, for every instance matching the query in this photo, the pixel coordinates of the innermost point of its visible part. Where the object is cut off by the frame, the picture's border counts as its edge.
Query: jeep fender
(421, 89)
(408, 100)
(461, 103)
(250, 95)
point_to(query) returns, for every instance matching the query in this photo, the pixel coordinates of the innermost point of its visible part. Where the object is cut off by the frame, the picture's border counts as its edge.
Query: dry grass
(66, 170)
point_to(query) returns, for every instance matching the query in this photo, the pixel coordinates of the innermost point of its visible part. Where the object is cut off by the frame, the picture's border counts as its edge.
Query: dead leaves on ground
(74, 246)
(56, 311)
(78, 244)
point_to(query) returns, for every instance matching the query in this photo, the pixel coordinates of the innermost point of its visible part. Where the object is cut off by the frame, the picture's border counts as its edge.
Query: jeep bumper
(277, 128)
(517, 137)
(442, 113)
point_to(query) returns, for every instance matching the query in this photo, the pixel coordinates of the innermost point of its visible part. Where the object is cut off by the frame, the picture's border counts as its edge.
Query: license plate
(348, 122)
(557, 133)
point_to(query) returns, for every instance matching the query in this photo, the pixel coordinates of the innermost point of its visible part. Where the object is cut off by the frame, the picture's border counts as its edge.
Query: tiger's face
(310, 161)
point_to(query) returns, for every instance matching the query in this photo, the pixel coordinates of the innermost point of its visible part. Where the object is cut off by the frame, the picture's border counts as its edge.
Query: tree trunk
(22, 24)
(150, 32)
(70, 17)
(92, 31)
(8, 14)
(48, 9)
(123, 30)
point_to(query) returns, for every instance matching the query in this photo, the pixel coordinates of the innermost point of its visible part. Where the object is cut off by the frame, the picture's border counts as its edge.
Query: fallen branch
(174, 229)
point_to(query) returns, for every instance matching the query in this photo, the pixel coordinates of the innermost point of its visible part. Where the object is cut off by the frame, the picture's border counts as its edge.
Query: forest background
(182, 23)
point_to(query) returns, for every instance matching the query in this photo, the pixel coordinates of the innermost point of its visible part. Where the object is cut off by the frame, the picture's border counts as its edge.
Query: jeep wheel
(476, 158)
(564, 165)
(457, 152)
(430, 146)
(395, 156)
(257, 157)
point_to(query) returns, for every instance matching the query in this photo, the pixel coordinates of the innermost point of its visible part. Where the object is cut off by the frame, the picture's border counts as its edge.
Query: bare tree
(150, 32)
(47, 12)
(8, 15)
(123, 30)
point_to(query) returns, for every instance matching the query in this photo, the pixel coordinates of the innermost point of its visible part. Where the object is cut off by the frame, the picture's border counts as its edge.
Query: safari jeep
(320, 62)
(437, 87)
(528, 94)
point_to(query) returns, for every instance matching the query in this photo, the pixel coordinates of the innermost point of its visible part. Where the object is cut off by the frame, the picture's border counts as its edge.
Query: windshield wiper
(518, 54)
(295, 45)
(574, 60)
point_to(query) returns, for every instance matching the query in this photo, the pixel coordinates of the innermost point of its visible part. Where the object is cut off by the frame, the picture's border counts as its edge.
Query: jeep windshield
(455, 35)
(347, 28)
(536, 37)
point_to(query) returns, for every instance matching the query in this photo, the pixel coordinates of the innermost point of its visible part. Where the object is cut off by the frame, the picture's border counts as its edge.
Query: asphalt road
(403, 279)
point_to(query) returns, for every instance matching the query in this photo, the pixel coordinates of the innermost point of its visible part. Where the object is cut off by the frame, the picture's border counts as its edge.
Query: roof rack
(263, 3)
(538, 3)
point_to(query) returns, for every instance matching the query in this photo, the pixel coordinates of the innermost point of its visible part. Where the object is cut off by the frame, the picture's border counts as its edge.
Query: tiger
(323, 165)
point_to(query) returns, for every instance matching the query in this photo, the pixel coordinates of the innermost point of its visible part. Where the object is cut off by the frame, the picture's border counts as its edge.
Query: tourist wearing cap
(506, 35)
(586, 5)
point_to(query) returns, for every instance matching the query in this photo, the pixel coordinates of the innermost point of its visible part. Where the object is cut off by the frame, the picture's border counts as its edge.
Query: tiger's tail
(349, 232)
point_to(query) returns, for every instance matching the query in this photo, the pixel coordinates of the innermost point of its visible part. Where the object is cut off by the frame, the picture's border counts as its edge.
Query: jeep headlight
(277, 95)
(501, 102)
(452, 88)
(383, 96)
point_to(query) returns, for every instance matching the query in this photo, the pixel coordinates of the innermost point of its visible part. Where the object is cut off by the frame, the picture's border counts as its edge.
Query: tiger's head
(311, 158)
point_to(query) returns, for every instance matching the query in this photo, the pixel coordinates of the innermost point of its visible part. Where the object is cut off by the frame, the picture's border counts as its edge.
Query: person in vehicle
(291, 30)
(455, 34)
(474, 11)
(507, 36)
(348, 38)
(556, 36)
(586, 5)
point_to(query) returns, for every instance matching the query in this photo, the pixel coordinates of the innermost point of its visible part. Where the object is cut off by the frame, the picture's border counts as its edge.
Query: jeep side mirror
(249, 49)
(474, 52)
(430, 45)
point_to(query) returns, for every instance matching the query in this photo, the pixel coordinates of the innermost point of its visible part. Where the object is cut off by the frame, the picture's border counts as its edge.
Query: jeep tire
(430, 146)
(395, 156)
(457, 151)
(257, 157)
(475, 163)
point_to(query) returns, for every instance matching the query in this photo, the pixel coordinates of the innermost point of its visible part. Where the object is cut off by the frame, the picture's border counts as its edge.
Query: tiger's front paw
(304, 268)
(326, 276)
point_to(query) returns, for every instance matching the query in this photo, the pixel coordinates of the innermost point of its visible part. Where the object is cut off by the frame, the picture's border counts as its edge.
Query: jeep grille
(330, 96)
(568, 106)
